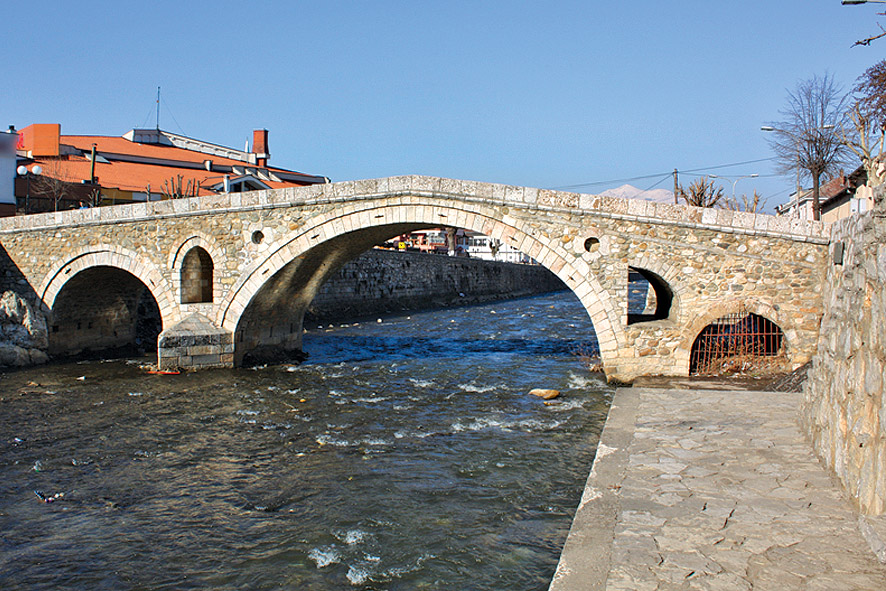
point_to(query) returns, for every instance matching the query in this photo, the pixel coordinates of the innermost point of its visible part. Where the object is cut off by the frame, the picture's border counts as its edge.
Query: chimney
(260, 146)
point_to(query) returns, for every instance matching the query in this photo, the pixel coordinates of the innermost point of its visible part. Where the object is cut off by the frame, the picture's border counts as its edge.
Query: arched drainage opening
(649, 296)
(739, 343)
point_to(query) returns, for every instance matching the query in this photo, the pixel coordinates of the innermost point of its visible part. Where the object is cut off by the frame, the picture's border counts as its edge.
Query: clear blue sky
(545, 94)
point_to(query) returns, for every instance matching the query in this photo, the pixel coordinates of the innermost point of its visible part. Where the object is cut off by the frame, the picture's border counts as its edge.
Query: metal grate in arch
(735, 342)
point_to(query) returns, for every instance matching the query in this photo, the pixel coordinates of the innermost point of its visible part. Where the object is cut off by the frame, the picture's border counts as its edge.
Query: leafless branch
(702, 193)
(753, 204)
(873, 37)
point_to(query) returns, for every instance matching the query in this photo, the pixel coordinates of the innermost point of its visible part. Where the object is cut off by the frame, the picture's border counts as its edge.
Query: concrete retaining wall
(844, 409)
(383, 281)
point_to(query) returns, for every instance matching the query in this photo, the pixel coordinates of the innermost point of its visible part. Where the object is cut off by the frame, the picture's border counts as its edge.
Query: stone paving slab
(709, 490)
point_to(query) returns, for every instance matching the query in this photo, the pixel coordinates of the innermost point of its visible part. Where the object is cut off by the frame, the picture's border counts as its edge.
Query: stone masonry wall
(270, 247)
(844, 409)
(381, 281)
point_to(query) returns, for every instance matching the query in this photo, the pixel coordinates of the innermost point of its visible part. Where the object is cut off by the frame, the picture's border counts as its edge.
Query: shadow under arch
(79, 293)
(103, 310)
(290, 271)
(661, 305)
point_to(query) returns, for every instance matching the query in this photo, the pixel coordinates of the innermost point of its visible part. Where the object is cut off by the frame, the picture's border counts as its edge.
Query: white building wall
(7, 167)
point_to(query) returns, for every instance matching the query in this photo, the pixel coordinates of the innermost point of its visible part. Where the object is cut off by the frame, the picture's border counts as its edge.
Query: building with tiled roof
(839, 197)
(141, 165)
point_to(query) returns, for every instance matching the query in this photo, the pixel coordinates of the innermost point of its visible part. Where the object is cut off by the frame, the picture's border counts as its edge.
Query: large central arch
(293, 268)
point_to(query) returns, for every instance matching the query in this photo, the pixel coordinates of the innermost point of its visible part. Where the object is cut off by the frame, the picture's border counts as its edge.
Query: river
(404, 454)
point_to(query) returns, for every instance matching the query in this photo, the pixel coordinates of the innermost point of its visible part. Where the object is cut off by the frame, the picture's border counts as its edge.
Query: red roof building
(142, 165)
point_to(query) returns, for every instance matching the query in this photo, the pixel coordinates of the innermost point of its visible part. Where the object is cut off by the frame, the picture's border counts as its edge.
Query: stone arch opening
(739, 342)
(103, 311)
(290, 268)
(196, 277)
(656, 298)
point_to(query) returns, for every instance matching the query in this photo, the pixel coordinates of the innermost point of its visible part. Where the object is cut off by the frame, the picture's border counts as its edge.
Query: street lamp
(816, 214)
(848, 2)
(747, 176)
(22, 170)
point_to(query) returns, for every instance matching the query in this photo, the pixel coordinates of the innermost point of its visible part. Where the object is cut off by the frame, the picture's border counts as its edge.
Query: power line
(730, 165)
(759, 176)
(663, 174)
(663, 179)
(611, 182)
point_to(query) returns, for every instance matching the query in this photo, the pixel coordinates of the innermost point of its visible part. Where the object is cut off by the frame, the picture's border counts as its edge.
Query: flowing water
(404, 454)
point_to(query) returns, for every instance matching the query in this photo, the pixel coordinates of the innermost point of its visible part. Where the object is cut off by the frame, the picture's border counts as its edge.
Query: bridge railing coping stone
(499, 194)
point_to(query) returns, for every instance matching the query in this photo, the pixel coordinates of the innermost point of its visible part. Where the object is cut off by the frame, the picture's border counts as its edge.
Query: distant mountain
(631, 192)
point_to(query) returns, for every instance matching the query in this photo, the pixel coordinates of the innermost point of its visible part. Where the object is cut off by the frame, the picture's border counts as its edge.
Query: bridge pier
(195, 343)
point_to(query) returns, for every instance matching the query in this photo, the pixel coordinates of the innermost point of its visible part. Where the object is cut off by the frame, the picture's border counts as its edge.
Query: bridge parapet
(636, 210)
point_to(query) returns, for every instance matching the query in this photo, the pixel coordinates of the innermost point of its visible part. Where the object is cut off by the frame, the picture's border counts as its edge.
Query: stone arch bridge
(229, 277)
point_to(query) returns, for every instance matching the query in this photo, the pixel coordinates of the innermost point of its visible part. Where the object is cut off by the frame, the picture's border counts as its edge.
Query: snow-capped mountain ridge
(632, 192)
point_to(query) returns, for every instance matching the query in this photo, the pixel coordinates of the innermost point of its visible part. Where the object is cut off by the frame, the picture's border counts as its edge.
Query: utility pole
(92, 166)
(676, 192)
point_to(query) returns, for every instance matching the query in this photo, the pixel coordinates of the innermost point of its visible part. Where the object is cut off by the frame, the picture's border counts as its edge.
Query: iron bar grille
(734, 341)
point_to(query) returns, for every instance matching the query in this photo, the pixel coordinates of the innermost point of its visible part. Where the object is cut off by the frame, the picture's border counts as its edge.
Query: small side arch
(659, 304)
(193, 270)
(764, 310)
(195, 277)
(661, 277)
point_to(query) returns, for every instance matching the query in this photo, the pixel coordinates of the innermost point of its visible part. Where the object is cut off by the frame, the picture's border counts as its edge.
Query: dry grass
(588, 358)
(746, 364)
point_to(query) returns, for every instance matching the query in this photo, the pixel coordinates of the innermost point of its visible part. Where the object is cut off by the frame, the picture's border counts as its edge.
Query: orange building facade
(71, 171)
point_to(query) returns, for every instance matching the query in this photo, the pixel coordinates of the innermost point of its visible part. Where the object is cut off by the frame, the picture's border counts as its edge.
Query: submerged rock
(545, 393)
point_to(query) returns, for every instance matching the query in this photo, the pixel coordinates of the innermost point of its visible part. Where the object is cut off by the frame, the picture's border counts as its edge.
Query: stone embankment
(844, 406)
(384, 281)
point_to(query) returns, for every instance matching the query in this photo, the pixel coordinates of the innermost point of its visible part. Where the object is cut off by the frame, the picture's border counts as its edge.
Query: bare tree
(753, 204)
(868, 118)
(702, 193)
(54, 183)
(808, 139)
(94, 197)
(868, 40)
(173, 189)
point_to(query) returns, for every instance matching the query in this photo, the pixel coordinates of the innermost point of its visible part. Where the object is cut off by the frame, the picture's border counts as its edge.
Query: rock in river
(544, 393)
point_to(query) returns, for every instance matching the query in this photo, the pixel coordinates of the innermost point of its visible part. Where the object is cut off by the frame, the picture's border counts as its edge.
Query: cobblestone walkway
(709, 490)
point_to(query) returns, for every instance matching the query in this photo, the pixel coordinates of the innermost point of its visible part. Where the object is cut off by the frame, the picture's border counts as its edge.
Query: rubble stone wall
(844, 408)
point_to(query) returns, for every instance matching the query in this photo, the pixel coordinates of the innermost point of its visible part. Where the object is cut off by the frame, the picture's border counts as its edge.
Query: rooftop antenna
(158, 108)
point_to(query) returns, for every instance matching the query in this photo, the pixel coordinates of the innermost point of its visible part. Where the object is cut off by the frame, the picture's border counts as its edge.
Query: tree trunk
(816, 203)
(450, 241)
